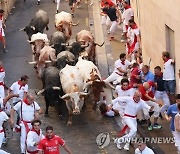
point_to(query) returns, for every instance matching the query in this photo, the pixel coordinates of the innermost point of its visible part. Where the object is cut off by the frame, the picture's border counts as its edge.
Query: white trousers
(113, 27)
(1, 138)
(105, 21)
(124, 28)
(2, 93)
(156, 109)
(115, 78)
(58, 4)
(23, 136)
(163, 95)
(132, 125)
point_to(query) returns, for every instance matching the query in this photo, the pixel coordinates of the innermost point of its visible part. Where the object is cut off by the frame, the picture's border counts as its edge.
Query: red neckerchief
(135, 100)
(127, 7)
(38, 132)
(125, 89)
(21, 85)
(166, 60)
(26, 101)
(1, 110)
(134, 26)
(1, 69)
(123, 62)
(50, 138)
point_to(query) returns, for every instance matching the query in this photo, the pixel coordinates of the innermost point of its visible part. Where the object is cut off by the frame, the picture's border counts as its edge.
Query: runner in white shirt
(169, 76)
(121, 68)
(123, 90)
(3, 118)
(133, 39)
(133, 105)
(126, 16)
(34, 136)
(28, 110)
(2, 76)
(20, 87)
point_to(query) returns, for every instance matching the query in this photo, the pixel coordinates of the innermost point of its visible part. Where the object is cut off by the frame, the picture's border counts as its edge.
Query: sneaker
(150, 128)
(108, 32)
(91, 3)
(126, 147)
(157, 126)
(5, 50)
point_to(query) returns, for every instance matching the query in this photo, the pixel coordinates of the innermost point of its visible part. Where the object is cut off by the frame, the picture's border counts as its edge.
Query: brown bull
(86, 37)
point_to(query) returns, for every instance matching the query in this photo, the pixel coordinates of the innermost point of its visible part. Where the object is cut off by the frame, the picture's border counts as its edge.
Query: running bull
(86, 37)
(51, 88)
(63, 23)
(92, 79)
(37, 24)
(72, 86)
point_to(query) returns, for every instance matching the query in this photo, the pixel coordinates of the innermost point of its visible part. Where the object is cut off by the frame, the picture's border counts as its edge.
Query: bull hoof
(47, 28)
(69, 123)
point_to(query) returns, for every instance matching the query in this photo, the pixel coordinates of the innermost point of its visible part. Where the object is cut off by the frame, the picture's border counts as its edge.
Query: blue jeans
(170, 86)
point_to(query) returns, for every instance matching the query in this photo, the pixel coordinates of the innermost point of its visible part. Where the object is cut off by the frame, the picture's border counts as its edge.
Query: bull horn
(75, 24)
(33, 28)
(56, 88)
(40, 92)
(69, 46)
(66, 96)
(100, 45)
(84, 46)
(83, 94)
(48, 61)
(110, 85)
(65, 44)
(86, 86)
(31, 62)
(22, 29)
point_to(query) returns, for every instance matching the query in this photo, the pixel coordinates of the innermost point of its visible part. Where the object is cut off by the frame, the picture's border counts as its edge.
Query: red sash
(2, 130)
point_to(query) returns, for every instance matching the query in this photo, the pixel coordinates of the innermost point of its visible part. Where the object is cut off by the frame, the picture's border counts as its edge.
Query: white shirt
(131, 34)
(131, 106)
(27, 110)
(2, 75)
(145, 151)
(3, 118)
(15, 87)
(6, 108)
(32, 138)
(168, 72)
(122, 92)
(118, 64)
(127, 15)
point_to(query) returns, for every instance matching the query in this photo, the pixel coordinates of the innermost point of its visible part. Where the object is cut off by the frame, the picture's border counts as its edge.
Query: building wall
(152, 17)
